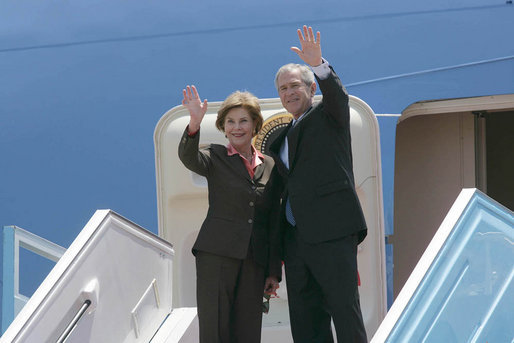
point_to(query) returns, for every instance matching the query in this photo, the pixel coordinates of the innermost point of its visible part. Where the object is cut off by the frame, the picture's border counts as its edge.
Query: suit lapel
(237, 163)
(292, 138)
(258, 171)
(275, 150)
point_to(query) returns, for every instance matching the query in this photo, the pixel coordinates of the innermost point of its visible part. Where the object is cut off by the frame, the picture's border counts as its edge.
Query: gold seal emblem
(270, 130)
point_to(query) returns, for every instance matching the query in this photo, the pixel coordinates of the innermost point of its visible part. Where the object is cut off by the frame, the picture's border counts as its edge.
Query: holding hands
(271, 285)
(310, 51)
(196, 107)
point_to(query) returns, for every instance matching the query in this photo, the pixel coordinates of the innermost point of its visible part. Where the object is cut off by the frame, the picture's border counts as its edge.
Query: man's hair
(306, 73)
(244, 100)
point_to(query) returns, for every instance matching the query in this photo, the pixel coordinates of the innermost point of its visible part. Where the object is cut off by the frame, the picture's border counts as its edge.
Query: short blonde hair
(246, 100)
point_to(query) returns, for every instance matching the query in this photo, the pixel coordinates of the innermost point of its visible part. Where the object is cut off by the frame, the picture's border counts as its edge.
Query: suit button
(251, 203)
(253, 187)
(250, 221)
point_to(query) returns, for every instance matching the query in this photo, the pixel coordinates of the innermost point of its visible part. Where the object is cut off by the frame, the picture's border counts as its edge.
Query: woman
(232, 250)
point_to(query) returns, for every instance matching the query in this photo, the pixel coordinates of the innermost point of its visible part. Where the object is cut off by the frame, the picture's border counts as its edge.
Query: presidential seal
(271, 128)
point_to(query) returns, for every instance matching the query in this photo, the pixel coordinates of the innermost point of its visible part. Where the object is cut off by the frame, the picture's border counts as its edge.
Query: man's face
(295, 95)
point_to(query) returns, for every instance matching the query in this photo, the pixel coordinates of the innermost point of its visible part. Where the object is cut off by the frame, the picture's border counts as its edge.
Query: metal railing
(15, 238)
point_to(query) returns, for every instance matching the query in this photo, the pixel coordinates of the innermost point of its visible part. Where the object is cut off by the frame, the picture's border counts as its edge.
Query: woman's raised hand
(196, 107)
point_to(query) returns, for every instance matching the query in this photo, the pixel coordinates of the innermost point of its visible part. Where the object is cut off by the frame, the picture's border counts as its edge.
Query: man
(321, 218)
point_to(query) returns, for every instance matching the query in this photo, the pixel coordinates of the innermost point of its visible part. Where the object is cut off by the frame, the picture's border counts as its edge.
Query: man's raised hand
(310, 51)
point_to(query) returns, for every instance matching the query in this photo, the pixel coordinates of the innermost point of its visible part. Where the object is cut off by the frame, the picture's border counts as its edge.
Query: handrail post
(8, 277)
(15, 238)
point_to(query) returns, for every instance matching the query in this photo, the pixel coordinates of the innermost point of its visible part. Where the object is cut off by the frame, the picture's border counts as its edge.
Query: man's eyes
(293, 86)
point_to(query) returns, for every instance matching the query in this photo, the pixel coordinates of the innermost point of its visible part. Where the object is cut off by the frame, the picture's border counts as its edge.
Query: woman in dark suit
(235, 260)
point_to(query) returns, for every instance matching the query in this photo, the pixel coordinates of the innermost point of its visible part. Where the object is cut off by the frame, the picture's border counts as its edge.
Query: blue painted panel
(467, 295)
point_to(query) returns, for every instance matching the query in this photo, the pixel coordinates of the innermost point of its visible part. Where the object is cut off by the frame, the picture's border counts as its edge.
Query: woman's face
(239, 128)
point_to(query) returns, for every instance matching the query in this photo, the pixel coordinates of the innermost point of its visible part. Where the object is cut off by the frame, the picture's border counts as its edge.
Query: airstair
(113, 284)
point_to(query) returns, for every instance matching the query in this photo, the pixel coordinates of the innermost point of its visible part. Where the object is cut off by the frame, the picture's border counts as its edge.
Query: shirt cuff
(191, 134)
(323, 70)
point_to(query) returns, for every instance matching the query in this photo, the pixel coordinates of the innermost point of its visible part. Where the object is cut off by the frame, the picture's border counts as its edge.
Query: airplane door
(182, 205)
(441, 147)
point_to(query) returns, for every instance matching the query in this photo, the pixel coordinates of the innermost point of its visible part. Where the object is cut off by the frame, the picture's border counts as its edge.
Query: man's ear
(313, 89)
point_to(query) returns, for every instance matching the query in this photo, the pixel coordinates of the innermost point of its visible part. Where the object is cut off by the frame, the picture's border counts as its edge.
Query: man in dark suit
(321, 218)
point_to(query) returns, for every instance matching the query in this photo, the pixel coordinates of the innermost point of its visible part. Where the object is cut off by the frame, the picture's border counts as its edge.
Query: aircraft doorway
(441, 147)
(499, 159)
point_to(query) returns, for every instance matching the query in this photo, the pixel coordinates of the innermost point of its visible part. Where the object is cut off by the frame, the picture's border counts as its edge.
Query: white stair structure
(113, 284)
(462, 289)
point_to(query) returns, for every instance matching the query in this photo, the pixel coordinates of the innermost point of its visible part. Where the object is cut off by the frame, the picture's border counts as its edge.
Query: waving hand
(196, 107)
(310, 51)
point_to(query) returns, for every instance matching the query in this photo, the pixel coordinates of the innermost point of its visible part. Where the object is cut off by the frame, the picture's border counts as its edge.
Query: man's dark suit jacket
(320, 182)
(239, 206)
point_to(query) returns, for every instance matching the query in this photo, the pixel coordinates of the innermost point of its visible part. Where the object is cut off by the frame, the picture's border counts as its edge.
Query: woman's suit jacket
(239, 206)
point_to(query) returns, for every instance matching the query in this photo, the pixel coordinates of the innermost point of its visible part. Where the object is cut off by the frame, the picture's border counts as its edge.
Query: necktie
(289, 211)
